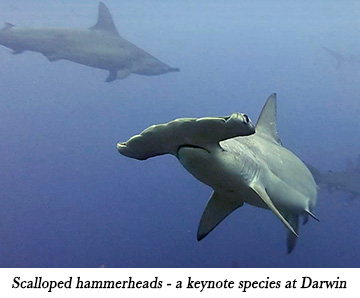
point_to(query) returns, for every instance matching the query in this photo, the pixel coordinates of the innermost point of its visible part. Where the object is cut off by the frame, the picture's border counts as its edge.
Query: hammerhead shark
(341, 59)
(347, 180)
(100, 46)
(240, 164)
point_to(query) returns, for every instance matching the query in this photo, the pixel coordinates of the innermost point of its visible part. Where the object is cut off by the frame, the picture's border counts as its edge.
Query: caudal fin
(293, 220)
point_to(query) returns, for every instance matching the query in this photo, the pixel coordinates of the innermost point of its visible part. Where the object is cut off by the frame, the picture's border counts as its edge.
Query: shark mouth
(192, 146)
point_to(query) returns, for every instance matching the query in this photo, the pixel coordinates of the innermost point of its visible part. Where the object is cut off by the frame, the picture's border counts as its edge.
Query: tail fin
(293, 220)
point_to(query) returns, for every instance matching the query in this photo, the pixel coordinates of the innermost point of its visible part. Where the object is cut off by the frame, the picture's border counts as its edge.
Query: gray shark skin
(345, 181)
(100, 46)
(252, 168)
(341, 59)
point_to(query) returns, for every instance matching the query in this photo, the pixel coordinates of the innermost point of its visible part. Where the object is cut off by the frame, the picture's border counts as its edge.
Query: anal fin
(266, 199)
(218, 207)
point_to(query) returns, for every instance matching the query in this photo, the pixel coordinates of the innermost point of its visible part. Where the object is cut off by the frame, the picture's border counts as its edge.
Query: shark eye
(246, 119)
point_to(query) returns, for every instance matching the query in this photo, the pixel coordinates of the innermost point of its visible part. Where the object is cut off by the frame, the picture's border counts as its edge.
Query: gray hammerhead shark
(100, 46)
(347, 180)
(241, 166)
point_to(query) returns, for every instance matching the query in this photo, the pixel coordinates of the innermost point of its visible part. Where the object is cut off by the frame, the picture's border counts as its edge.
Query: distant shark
(347, 180)
(100, 46)
(239, 165)
(341, 59)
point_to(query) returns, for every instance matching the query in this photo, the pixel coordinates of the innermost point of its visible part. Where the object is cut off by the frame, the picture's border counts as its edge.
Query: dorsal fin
(8, 26)
(105, 21)
(266, 124)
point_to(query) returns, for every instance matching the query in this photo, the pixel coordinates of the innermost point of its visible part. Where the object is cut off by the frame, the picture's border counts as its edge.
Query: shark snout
(121, 146)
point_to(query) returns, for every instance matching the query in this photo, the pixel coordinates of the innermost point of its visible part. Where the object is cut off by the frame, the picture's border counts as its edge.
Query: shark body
(248, 168)
(100, 46)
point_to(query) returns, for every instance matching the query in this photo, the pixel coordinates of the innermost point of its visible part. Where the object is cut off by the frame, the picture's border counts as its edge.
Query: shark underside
(100, 46)
(239, 165)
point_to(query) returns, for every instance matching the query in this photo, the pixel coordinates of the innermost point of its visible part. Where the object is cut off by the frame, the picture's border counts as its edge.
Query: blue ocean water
(69, 199)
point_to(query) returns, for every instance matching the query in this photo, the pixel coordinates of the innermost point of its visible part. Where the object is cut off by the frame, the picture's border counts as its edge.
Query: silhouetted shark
(347, 180)
(100, 46)
(341, 59)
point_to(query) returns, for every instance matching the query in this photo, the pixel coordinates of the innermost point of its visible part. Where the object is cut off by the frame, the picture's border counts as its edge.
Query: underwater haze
(69, 199)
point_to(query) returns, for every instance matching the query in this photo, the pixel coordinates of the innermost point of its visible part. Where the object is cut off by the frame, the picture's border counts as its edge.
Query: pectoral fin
(265, 198)
(218, 207)
(111, 77)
